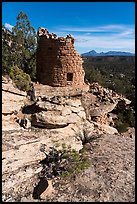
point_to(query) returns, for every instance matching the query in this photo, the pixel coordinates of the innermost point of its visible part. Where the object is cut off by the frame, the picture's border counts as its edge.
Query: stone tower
(58, 63)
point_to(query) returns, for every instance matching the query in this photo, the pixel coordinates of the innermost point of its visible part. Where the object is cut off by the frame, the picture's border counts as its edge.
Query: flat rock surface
(111, 176)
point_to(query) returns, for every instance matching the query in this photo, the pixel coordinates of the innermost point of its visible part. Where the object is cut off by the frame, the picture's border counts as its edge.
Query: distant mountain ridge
(109, 53)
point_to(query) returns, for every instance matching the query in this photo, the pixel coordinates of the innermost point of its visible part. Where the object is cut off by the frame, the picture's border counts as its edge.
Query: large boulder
(12, 98)
(73, 102)
(106, 129)
(102, 109)
(12, 102)
(48, 119)
(53, 119)
(55, 115)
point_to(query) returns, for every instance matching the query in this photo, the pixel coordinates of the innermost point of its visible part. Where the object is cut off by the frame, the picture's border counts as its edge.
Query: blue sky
(102, 26)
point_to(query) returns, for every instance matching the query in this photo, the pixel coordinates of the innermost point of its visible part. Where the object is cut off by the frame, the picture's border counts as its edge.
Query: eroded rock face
(57, 110)
(107, 129)
(103, 102)
(94, 105)
(12, 102)
(55, 115)
(12, 98)
(102, 109)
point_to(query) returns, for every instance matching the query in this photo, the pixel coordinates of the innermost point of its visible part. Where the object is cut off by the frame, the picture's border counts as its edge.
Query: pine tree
(6, 50)
(25, 45)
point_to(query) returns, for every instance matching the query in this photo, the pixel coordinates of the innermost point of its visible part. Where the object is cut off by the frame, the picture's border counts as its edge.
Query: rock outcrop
(60, 115)
(12, 102)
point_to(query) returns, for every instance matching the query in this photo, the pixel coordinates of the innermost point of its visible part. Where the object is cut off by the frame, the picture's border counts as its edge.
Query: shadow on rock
(40, 188)
(31, 109)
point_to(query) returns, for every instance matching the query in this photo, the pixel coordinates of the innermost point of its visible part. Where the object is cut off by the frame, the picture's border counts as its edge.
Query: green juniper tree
(25, 45)
(19, 52)
(7, 60)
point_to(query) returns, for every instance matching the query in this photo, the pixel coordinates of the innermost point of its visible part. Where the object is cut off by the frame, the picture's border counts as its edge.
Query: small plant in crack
(89, 139)
(65, 162)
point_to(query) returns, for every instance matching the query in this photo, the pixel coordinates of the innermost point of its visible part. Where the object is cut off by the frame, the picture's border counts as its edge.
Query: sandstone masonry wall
(58, 63)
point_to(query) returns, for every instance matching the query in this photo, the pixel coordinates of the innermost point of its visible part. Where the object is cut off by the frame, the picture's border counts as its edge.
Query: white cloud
(9, 26)
(85, 43)
(128, 33)
(103, 38)
(106, 28)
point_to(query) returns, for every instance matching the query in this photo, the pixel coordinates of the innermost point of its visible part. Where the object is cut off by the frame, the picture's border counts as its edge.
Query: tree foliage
(7, 58)
(21, 79)
(22, 50)
(117, 73)
(64, 162)
(25, 38)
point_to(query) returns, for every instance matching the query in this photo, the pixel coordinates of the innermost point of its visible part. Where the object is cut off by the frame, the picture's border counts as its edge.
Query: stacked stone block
(58, 63)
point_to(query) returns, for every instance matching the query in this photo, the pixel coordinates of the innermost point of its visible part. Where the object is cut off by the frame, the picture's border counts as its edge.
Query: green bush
(125, 119)
(121, 126)
(21, 79)
(65, 162)
(75, 162)
(108, 74)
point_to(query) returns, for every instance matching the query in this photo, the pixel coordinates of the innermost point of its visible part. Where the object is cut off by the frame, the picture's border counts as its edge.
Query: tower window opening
(69, 76)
